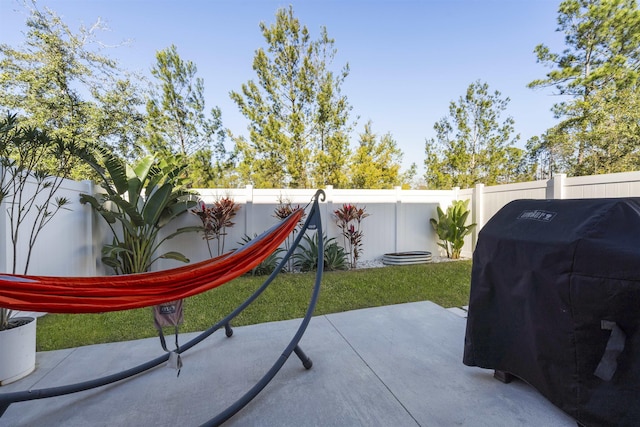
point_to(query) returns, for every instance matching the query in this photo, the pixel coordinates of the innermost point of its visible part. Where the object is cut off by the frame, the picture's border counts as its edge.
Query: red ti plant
(348, 219)
(216, 219)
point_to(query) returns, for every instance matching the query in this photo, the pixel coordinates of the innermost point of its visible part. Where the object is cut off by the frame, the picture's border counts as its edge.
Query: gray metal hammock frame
(313, 222)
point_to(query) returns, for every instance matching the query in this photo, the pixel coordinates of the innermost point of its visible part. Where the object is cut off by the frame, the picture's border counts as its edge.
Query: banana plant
(137, 202)
(451, 229)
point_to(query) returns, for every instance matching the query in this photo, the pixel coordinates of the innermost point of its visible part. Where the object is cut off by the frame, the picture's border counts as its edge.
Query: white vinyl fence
(66, 246)
(398, 221)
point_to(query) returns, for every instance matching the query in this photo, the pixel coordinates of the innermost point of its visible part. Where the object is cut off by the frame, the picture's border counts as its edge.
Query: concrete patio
(394, 366)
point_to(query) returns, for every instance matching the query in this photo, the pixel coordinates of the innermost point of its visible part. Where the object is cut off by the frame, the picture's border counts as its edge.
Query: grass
(446, 284)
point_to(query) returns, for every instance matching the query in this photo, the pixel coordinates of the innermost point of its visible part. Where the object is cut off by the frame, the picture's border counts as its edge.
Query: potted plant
(32, 167)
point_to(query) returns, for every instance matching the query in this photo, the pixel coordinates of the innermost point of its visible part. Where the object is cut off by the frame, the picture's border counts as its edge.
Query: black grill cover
(554, 284)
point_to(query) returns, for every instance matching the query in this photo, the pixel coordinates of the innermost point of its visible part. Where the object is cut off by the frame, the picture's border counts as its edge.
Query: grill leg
(503, 376)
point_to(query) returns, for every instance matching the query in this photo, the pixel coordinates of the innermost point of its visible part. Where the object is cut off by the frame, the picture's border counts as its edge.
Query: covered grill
(555, 301)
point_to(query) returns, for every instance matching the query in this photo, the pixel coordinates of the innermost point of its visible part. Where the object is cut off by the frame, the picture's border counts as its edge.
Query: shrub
(348, 219)
(267, 266)
(335, 258)
(451, 228)
(216, 219)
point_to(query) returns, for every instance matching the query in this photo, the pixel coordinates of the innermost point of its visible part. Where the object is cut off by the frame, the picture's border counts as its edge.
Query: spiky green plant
(306, 259)
(267, 266)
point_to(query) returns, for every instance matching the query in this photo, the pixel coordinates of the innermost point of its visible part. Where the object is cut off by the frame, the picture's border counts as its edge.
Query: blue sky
(408, 59)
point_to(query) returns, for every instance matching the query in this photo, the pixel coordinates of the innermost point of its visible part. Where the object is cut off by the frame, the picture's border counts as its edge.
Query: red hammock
(111, 293)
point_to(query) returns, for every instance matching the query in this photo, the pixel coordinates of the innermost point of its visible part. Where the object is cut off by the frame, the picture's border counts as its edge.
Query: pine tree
(177, 122)
(598, 75)
(376, 162)
(299, 119)
(472, 144)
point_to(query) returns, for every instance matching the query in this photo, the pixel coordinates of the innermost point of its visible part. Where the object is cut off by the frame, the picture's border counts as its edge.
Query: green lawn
(446, 284)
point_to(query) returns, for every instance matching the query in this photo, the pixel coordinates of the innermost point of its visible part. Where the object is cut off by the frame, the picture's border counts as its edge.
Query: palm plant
(142, 199)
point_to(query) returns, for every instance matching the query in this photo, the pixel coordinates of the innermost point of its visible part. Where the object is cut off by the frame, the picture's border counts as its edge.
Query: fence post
(4, 239)
(89, 263)
(398, 213)
(558, 183)
(248, 211)
(328, 193)
(477, 216)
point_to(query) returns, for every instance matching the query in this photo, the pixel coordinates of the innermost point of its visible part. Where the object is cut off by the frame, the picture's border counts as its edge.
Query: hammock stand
(313, 222)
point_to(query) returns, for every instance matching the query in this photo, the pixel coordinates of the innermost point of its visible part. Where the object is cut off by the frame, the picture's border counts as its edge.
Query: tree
(598, 72)
(614, 140)
(472, 144)
(177, 123)
(546, 153)
(28, 189)
(299, 120)
(59, 83)
(376, 162)
(408, 177)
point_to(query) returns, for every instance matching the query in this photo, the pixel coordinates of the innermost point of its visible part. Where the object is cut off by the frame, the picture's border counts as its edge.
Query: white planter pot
(17, 351)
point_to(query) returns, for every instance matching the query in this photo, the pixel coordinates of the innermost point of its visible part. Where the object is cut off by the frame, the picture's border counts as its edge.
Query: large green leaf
(142, 168)
(97, 206)
(92, 161)
(154, 177)
(111, 262)
(117, 172)
(134, 190)
(156, 203)
(181, 230)
(174, 255)
(128, 227)
(174, 210)
(172, 174)
(129, 209)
